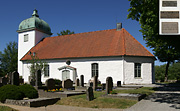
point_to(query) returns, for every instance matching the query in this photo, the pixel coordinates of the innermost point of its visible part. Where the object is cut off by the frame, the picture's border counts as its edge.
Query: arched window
(46, 70)
(94, 69)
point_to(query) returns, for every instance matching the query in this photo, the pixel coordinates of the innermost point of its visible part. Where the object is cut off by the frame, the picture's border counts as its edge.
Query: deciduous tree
(65, 32)
(9, 58)
(165, 48)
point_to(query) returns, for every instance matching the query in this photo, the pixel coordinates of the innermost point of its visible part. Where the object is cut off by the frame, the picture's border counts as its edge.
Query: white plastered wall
(107, 67)
(34, 37)
(147, 70)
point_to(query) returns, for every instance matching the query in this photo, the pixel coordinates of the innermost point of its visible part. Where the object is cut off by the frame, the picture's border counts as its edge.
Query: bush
(10, 92)
(58, 82)
(29, 91)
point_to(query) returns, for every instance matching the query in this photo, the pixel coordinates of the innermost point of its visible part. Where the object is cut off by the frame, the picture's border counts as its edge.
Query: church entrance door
(65, 75)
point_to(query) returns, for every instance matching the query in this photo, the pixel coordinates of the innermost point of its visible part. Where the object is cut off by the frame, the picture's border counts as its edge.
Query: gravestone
(109, 84)
(118, 83)
(103, 86)
(1, 79)
(95, 83)
(4, 81)
(50, 83)
(89, 94)
(21, 81)
(82, 80)
(15, 78)
(38, 78)
(91, 84)
(10, 78)
(67, 84)
(77, 82)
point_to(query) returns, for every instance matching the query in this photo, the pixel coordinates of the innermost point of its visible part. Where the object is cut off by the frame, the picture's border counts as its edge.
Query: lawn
(6, 108)
(102, 102)
(143, 90)
(98, 102)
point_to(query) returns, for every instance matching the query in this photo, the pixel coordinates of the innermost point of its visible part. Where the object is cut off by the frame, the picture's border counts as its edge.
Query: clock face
(68, 62)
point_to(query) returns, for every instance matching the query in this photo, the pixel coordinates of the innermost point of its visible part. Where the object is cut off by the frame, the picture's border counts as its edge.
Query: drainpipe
(123, 71)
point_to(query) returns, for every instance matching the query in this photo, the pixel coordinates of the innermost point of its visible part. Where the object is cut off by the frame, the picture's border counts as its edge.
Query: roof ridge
(85, 32)
(124, 49)
(140, 44)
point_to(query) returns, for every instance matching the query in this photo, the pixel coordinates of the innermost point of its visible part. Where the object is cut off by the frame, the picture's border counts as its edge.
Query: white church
(104, 53)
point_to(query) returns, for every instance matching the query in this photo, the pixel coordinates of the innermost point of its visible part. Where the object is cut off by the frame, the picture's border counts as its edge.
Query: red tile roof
(90, 44)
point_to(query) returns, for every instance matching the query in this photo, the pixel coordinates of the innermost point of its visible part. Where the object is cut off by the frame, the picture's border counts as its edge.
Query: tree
(174, 71)
(35, 65)
(159, 72)
(65, 32)
(9, 58)
(147, 13)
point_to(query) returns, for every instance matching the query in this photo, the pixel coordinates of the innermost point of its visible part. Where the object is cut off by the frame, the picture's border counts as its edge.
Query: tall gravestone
(77, 82)
(109, 84)
(118, 83)
(38, 78)
(82, 80)
(89, 94)
(15, 78)
(50, 83)
(95, 83)
(10, 78)
(67, 84)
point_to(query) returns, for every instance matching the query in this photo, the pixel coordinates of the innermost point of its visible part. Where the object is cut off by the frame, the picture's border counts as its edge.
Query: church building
(113, 52)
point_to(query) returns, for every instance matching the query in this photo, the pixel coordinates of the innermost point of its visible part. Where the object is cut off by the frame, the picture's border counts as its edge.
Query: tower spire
(35, 13)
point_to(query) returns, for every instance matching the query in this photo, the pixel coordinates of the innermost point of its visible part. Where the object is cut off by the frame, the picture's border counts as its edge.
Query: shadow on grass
(167, 95)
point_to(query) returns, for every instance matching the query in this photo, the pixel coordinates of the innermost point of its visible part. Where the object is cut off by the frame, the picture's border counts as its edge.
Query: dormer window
(26, 38)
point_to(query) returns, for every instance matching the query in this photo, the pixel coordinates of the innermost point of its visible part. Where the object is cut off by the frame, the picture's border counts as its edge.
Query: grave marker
(109, 84)
(77, 82)
(82, 80)
(95, 83)
(67, 84)
(50, 83)
(89, 94)
(15, 78)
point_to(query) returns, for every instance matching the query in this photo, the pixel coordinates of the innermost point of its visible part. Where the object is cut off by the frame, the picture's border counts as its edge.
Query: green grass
(143, 90)
(6, 108)
(98, 102)
(102, 102)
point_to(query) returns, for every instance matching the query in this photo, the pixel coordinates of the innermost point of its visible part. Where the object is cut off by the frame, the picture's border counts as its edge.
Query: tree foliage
(65, 32)
(165, 48)
(9, 58)
(174, 72)
(35, 65)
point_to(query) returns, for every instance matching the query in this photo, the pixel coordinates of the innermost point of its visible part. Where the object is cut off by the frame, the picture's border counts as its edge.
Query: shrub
(10, 92)
(29, 91)
(58, 82)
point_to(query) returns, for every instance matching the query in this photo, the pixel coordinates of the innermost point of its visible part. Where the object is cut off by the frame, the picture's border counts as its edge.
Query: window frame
(94, 69)
(26, 37)
(137, 70)
(46, 70)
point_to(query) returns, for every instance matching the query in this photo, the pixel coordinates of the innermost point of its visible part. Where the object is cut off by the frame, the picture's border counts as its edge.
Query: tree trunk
(166, 73)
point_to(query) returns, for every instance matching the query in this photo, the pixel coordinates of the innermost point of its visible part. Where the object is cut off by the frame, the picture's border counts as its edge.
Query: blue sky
(76, 15)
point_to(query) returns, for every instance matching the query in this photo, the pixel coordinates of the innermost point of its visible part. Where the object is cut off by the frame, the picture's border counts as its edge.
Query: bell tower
(30, 32)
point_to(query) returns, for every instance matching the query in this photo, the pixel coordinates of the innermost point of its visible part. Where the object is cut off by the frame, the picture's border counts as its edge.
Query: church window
(46, 70)
(137, 70)
(26, 38)
(94, 68)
